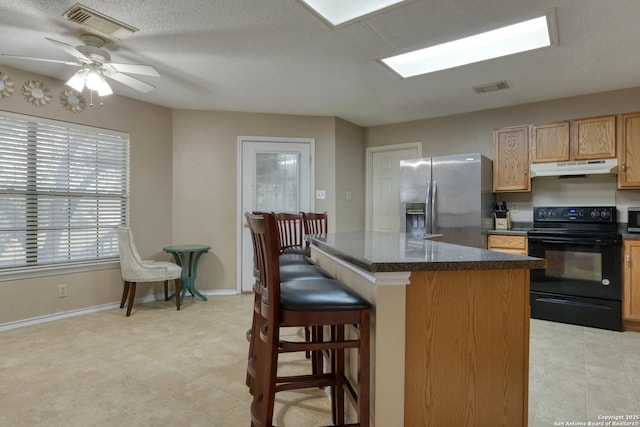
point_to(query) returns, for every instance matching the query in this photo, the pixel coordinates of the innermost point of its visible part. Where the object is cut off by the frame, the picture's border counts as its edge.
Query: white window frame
(103, 150)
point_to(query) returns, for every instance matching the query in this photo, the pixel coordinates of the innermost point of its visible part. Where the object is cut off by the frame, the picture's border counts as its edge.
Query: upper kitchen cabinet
(511, 159)
(629, 151)
(550, 142)
(593, 138)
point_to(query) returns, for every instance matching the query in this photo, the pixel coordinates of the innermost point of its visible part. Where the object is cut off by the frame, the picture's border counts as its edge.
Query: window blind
(63, 191)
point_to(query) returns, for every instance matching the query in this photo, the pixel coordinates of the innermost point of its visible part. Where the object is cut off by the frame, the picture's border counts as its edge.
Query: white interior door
(385, 214)
(276, 176)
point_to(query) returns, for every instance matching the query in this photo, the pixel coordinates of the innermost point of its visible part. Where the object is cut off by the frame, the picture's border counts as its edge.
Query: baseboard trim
(630, 325)
(96, 308)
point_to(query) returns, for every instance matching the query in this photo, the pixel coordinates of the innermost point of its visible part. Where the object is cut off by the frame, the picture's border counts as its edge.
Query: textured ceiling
(275, 56)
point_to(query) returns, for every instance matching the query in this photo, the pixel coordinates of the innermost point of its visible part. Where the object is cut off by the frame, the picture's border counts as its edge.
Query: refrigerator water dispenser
(415, 217)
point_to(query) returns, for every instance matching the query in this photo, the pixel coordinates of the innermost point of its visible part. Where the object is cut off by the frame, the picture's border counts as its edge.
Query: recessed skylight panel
(527, 35)
(338, 12)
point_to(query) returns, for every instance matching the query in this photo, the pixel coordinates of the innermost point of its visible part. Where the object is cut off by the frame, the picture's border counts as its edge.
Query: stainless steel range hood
(578, 167)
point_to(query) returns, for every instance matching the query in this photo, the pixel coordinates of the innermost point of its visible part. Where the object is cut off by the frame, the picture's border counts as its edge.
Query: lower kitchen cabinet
(516, 245)
(631, 285)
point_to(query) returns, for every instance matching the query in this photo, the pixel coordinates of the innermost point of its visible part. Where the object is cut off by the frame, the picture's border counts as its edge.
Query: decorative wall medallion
(6, 86)
(36, 93)
(72, 100)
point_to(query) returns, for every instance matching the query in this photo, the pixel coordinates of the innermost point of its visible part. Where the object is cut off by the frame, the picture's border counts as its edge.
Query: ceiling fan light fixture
(95, 65)
(95, 81)
(76, 82)
(104, 89)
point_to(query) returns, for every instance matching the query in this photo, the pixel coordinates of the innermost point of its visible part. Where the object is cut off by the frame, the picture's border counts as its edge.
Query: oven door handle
(572, 241)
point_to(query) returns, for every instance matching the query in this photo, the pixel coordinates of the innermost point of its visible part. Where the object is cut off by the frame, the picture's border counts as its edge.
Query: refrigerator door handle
(434, 208)
(427, 211)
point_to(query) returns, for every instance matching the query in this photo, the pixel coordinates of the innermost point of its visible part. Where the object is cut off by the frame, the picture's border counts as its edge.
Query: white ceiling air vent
(98, 22)
(491, 87)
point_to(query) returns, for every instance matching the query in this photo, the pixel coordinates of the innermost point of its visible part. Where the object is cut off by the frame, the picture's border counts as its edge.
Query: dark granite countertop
(394, 252)
(518, 228)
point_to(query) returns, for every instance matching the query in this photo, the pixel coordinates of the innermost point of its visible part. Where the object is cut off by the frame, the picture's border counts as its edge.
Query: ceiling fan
(96, 65)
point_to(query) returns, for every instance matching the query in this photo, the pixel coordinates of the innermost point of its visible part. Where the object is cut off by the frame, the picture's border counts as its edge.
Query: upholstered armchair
(135, 270)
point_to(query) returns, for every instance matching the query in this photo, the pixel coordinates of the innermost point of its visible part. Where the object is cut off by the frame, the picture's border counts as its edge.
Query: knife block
(503, 222)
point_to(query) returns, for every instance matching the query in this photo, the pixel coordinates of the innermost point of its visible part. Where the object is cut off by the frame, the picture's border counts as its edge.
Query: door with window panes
(276, 177)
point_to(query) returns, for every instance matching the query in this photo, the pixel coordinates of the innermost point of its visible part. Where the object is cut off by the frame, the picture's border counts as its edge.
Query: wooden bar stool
(314, 223)
(306, 303)
(291, 233)
(294, 267)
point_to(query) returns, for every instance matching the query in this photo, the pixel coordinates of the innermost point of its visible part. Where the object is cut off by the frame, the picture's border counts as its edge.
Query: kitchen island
(450, 327)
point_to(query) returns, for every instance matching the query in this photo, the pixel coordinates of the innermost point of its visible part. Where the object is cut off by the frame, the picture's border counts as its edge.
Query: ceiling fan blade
(31, 58)
(70, 50)
(132, 82)
(145, 70)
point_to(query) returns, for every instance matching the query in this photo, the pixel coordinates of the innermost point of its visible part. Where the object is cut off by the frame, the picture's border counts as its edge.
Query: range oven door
(579, 266)
(582, 282)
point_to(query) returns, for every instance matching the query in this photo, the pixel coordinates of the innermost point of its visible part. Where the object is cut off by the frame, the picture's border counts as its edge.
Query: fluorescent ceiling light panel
(338, 12)
(527, 35)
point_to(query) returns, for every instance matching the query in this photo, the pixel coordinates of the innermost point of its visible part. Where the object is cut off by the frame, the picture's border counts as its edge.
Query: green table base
(187, 257)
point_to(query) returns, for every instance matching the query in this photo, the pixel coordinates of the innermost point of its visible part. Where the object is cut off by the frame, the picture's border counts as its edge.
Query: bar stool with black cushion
(289, 271)
(291, 233)
(294, 254)
(314, 303)
(314, 223)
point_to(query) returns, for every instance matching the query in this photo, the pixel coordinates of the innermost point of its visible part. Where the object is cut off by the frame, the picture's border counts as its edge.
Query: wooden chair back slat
(289, 226)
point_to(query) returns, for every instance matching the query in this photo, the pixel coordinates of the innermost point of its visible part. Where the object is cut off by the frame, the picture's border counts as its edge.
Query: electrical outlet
(321, 194)
(62, 291)
(514, 207)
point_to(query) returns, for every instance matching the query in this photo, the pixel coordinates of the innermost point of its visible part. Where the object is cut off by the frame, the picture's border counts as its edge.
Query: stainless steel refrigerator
(449, 195)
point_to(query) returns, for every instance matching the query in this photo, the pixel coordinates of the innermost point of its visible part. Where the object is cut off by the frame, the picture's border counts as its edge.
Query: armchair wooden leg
(177, 286)
(166, 290)
(132, 296)
(125, 291)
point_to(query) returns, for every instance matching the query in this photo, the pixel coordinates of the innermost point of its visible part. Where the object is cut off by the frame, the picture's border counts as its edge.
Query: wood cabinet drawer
(507, 242)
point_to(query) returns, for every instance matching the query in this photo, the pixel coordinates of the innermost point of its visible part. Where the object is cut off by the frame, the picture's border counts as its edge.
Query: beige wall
(473, 132)
(205, 179)
(350, 177)
(183, 176)
(183, 188)
(151, 199)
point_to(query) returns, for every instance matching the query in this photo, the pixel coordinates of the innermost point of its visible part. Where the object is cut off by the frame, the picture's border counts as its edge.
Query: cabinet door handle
(526, 171)
(628, 258)
(624, 167)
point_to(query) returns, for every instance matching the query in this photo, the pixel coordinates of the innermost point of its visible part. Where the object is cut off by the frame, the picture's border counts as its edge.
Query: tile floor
(166, 368)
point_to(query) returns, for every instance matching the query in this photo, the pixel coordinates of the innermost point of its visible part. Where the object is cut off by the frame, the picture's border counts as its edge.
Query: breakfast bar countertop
(394, 252)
